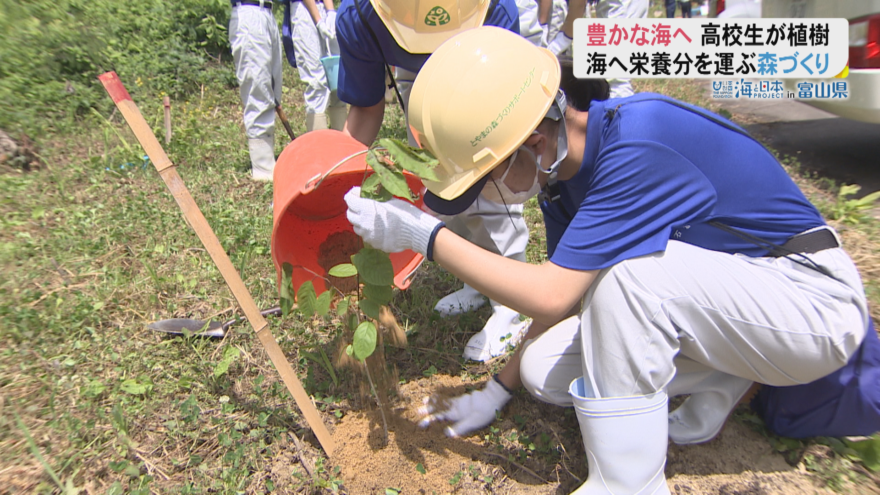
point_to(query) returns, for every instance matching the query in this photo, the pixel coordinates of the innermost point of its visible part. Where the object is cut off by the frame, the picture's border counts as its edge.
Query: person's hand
(391, 226)
(559, 44)
(469, 412)
(327, 25)
(545, 33)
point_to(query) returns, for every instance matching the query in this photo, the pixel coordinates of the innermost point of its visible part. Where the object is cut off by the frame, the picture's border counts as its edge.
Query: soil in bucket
(338, 248)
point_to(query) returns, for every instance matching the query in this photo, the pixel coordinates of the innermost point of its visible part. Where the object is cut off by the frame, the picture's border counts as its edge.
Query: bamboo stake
(167, 103)
(191, 211)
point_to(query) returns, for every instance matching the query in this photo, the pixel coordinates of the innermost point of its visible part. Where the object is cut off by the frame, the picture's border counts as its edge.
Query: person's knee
(530, 370)
(537, 379)
(549, 363)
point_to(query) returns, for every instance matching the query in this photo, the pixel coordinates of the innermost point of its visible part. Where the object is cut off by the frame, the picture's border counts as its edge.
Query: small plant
(389, 159)
(852, 211)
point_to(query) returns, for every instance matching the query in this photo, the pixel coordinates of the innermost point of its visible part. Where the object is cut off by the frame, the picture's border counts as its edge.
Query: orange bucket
(310, 230)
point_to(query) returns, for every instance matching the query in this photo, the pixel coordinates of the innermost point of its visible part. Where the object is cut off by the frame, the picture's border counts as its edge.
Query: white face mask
(497, 191)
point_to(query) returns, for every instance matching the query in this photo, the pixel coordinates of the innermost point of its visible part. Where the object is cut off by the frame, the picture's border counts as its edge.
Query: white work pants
(256, 53)
(309, 48)
(558, 13)
(529, 26)
(492, 226)
(621, 9)
(769, 320)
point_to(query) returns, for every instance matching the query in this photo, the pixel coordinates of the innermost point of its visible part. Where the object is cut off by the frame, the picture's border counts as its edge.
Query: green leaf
(94, 388)
(349, 350)
(369, 307)
(132, 471)
(230, 354)
(374, 266)
(287, 293)
(364, 340)
(308, 301)
(342, 306)
(392, 179)
(867, 201)
(392, 491)
(323, 303)
(420, 468)
(380, 294)
(419, 162)
(868, 452)
(847, 190)
(372, 188)
(132, 387)
(115, 489)
(352, 322)
(343, 270)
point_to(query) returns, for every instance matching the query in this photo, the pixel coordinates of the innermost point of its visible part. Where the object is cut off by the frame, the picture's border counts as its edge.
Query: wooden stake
(191, 211)
(167, 103)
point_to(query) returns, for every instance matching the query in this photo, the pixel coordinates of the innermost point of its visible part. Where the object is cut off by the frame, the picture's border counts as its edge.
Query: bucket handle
(316, 181)
(404, 283)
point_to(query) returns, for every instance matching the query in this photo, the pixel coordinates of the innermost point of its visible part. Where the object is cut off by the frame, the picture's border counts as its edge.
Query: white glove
(327, 25)
(392, 226)
(469, 412)
(559, 44)
(545, 32)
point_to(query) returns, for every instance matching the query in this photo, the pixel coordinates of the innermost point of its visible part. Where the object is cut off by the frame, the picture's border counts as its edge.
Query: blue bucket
(331, 68)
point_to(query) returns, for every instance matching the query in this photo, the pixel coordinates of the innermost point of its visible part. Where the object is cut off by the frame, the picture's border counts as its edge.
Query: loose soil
(495, 460)
(338, 248)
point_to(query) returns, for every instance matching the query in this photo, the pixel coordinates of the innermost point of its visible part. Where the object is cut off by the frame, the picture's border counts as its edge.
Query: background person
(401, 33)
(312, 36)
(685, 9)
(256, 54)
(672, 269)
(560, 44)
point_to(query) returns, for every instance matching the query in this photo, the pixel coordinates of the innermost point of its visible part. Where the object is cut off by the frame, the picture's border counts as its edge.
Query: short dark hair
(580, 92)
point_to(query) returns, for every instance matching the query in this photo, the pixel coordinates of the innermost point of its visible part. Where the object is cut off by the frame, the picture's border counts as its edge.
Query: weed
(852, 211)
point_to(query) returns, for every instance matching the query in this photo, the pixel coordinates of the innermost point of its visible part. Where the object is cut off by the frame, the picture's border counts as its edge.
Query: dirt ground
(544, 456)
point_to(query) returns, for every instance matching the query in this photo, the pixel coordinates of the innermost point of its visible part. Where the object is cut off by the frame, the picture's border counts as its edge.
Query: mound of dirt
(550, 460)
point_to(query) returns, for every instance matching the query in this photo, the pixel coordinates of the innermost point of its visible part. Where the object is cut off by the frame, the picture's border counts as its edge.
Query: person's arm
(544, 11)
(312, 7)
(576, 10)
(363, 123)
(509, 375)
(544, 292)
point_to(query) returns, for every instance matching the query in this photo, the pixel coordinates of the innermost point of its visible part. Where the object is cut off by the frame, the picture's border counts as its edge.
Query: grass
(91, 252)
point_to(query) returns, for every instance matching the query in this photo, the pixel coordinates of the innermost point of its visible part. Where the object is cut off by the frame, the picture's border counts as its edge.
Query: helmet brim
(456, 205)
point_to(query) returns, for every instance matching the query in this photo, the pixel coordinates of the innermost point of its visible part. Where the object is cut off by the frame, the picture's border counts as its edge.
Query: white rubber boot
(262, 151)
(501, 329)
(625, 440)
(461, 301)
(700, 418)
(316, 121)
(337, 116)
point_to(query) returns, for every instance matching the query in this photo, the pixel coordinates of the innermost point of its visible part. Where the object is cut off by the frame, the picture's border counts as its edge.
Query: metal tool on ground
(168, 172)
(284, 121)
(201, 328)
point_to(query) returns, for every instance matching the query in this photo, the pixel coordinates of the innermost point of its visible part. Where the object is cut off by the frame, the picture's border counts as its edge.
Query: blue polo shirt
(656, 169)
(361, 70)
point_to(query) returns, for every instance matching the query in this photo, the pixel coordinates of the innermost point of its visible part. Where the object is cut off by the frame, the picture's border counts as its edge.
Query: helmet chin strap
(550, 192)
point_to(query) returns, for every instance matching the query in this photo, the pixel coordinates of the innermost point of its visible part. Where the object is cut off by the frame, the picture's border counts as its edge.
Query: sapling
(389, 159)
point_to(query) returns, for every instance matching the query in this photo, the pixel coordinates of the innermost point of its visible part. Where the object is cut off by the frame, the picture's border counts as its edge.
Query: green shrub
(52, 51)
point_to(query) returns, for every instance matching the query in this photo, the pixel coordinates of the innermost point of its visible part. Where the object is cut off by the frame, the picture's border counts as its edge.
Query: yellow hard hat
(476, 100)
(420, 26)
